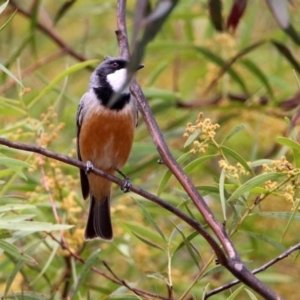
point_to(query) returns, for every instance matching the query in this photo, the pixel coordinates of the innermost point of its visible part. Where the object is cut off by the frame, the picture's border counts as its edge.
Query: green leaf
(90, 262)
(285, 51)
(8, 21)
(252, 67)
(14, 251)
(294, 146)
(233, 132)
(235, 293)
(289, 143)
(14, 207)
(33, 226)
(169, 174)
(143, 231)
(189, 247)
(158, 276)
(237, 157)
(254, 182)
(147, 242)
(29, 296)
(221, 63)
(277, 215)
(213, 271)
(15, 165)
(275, 277)
(3, 6)
(151, 220)
(265, 239)
(188, 238)
(60, 77)
(204, 291)
(251, 295)
(10, 74)
(156, 93)
(222, 193)
(19, 265)
(293, 215)
(47, 264)
(195, 163)
(192, 137)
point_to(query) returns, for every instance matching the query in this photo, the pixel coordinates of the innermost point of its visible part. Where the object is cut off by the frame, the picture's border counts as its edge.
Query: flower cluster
(204, 130)
(232, 171)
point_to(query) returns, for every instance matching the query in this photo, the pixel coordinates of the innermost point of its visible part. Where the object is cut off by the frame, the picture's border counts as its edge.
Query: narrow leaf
(254, 69)
(288, 142)
(195, 163)
(33, 226)
(3, 6)
(192, 137)
(235, 293)
(90, 262)
(285, 51)
(293, 215)
(14, 207)
(222, 193)
(147, 242)
(189, 247)
(278, 215)
(265, 239)
(151, 220)
(60, 77)
(10, 74)
(14, 251)
(169, 174)
(233, 132)
(19, 265)
(237, 157)
(254, 182)
(251, 295)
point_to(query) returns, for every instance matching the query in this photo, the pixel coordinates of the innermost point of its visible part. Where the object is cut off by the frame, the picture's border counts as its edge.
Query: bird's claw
(126, 187)
(89, 167)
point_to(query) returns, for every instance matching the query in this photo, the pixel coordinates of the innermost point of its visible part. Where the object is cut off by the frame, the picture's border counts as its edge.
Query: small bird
(106, 120)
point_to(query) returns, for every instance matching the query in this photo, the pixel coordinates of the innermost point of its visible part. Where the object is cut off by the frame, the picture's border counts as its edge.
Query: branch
(49, 32)
(234, 264)
(79, 164)
(114, 279)
(258, 270)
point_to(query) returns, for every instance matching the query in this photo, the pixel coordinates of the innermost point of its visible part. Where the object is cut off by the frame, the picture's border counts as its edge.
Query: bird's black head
(111, 73)
(110, 77)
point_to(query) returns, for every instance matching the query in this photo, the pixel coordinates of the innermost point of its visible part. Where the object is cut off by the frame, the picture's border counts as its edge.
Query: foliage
(227, 100)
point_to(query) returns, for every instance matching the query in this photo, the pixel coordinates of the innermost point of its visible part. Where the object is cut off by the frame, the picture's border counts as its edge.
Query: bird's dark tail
(99, 222)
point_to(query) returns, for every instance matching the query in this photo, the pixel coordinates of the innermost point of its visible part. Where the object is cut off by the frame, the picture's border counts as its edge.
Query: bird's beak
(140, 66)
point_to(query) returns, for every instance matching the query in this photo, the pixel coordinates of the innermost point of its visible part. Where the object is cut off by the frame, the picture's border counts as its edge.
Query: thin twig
(258, 270)
(50, 32)
(99, 272)
(79, 164)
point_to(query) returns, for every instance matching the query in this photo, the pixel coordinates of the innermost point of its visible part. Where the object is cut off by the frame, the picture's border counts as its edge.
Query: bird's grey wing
(85, 188)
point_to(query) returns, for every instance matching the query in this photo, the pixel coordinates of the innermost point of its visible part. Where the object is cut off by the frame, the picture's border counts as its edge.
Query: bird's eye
(114, 64)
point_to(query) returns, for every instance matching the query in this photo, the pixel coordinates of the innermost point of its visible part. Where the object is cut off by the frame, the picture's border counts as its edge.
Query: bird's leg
(89, 167)
(126, 187)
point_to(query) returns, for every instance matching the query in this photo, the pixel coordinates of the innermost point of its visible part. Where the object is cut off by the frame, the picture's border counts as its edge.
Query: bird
(106, 121)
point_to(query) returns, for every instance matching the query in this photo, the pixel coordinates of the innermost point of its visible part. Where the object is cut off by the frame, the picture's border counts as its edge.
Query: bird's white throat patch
(117, 81)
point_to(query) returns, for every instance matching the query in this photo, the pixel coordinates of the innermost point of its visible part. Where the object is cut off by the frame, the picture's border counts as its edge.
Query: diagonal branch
(50, 32)
(258, 270)
(234, 264)
(79, 164)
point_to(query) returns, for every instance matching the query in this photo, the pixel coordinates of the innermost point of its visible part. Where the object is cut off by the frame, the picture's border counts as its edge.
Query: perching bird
(106, 120)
